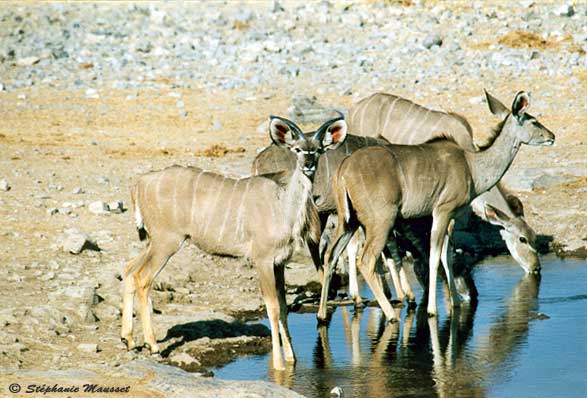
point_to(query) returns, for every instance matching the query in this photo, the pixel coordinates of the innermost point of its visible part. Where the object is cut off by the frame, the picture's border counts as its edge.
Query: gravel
(211, 46)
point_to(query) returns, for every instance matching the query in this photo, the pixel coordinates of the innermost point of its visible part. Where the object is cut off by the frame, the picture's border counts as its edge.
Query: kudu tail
(347, 219)
(140, 224)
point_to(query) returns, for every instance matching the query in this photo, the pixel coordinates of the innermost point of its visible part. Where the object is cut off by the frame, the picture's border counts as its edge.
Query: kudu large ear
(332, 133)
(284, 132)
(515, 205)
(496, 216)
(496, 106)
(520, 104)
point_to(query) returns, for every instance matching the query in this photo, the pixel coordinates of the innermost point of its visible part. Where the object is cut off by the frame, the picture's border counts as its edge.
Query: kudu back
(254, 217)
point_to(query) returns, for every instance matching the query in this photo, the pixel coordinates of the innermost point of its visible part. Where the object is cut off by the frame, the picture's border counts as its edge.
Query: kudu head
(519, 238)
(528, 130)
(287, 134)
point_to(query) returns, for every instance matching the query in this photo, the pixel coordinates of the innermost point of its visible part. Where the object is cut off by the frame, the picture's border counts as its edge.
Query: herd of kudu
(398, 163)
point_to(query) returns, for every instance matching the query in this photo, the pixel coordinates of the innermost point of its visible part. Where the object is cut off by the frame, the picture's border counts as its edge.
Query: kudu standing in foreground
(401, 121)
(377, 185)
(252, 217)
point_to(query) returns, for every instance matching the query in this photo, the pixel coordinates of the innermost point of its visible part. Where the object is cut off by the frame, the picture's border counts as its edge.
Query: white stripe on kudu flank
(415, 137)
(404, 131)
(239, 213)
(228, 210)
(175, 184)
(378, 119)
(158, 194)
(194, 196)
(213, 205)
(362, 124)
(389, 113)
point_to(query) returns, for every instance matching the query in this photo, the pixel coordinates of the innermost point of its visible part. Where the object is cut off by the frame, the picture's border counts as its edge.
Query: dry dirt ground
(52, 142)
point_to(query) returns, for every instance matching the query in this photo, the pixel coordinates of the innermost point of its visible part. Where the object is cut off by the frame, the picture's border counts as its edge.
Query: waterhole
(526, 337)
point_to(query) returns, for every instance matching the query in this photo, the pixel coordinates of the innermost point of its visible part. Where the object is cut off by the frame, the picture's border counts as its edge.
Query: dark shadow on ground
(212, 329)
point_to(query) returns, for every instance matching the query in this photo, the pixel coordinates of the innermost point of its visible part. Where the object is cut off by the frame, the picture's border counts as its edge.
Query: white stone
(88, 347)
(4, 185)
(116, 207)
(92, 93)
(99, 207)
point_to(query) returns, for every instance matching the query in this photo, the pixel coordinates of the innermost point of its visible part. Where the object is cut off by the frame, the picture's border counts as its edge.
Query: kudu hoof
(129, 344)
(153, 350)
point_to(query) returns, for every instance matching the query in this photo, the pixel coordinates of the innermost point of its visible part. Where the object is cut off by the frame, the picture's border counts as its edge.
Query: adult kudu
(401, 121)
(253, 217)
(377, 185)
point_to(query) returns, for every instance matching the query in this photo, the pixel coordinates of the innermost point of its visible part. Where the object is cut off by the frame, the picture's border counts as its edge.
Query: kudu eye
(297, 150)
(523, 240)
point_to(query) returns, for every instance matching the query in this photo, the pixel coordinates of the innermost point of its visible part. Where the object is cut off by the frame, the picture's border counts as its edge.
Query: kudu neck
(489, 165)
(298, 192)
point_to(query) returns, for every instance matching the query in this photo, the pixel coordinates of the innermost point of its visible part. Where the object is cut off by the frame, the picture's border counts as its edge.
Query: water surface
(527, 337)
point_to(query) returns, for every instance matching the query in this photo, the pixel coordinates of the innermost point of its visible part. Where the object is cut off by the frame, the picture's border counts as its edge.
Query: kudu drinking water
(377, 185)
(253, 217)
(401, 121)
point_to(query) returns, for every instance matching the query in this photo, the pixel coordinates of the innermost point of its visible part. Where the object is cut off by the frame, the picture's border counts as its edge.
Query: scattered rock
(565, 10)
(431, 40)
(307, 110)
(92, 93)
(183, 360)
(75, 243)
(27, 61)
(88, 347)
(98, 207)
(217, 125)
(4, 185)
(77, 191)
(116, 207)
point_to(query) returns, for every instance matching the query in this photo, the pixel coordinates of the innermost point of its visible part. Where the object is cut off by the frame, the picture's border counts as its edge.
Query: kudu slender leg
(157, 256)
(390, 259)
(437, 235)
(375, 239)
(283, 328)
(352, 250)
(342, 236)
(128, 300)
(270, 294)
(455, 299)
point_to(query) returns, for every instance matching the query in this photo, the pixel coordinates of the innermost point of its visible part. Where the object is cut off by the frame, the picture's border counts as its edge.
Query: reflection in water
(467, 354)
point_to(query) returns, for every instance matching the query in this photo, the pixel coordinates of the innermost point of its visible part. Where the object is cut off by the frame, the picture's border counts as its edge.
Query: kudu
(377, 185)
(392, 115)
(401, 121)
(253, 217)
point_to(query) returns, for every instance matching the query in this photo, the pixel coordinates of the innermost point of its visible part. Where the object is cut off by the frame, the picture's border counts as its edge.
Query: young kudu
(377, 185)
(253, 217)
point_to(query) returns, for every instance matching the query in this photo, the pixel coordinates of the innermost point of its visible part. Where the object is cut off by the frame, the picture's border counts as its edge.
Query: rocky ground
(91, 96)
